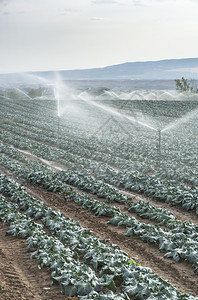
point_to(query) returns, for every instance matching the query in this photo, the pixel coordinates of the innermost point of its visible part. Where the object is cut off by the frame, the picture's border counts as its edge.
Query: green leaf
(129, 232)
(69, 290)
(112, 286)
(84, 289)
(114, 221)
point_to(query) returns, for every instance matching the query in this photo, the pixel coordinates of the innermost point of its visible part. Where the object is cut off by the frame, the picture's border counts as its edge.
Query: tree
(33, 93)
(183, 85)
(13, 95)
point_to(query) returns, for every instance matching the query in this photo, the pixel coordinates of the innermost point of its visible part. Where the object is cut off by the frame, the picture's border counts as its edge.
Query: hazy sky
(75, 34)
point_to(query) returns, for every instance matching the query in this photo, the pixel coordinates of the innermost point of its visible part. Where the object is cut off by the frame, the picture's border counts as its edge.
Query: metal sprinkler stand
(58, 130)
(159, 146)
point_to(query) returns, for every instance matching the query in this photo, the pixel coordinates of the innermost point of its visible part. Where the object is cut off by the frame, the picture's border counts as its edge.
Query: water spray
(23, 93)
(133, 120)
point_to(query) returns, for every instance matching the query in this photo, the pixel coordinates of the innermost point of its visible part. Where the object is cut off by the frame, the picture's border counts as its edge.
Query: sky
(44, 35)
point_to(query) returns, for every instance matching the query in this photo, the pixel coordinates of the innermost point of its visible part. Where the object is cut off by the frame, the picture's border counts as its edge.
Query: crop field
(98, 197)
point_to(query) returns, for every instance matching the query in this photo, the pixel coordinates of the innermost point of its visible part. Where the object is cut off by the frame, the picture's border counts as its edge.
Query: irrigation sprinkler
(159, 146)
(58, 133)
(57, 99)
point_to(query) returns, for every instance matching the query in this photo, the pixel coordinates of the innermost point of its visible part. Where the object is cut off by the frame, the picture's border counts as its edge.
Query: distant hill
(149, 70)
(169, 69)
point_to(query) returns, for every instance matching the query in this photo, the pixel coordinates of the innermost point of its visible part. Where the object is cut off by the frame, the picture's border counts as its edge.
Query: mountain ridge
(162, 69)
(167, 69)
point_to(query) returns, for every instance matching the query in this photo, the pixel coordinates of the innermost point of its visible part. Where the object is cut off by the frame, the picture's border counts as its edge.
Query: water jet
(111, 111)
(23, 93)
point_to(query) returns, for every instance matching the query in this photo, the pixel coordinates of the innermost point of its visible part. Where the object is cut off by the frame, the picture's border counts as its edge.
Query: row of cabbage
(73, 276)
(187, 174)
(175, 164)
(124, 156)
(172, 156)
(162, 190)
(88, 184)
(180, 243)
(130, 159)
(143, 209)
(62, 254)
(78, 147)
(171, 109)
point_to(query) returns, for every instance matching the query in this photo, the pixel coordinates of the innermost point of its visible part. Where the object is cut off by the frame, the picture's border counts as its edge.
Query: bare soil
(20, 277)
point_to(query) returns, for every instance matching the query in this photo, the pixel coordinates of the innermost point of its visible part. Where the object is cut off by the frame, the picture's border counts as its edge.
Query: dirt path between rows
(20, 277)
(180, 275)
(176, 210)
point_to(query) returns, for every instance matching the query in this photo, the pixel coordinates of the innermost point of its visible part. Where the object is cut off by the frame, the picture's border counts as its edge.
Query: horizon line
(96, 68)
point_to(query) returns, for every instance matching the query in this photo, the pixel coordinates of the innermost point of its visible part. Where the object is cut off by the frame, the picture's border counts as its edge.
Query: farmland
(99, 197)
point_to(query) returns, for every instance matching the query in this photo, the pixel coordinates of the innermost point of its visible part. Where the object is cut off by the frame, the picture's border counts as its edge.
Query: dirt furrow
(176, 210)
(20, 277)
